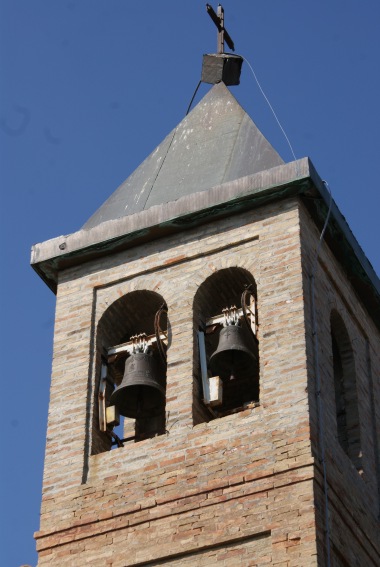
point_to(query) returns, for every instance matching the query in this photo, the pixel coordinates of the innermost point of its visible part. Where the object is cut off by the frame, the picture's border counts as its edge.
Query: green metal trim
(313, 194)
(48, 269)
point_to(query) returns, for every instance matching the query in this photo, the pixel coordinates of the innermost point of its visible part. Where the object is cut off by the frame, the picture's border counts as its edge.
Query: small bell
(233, 358)
(141, 392)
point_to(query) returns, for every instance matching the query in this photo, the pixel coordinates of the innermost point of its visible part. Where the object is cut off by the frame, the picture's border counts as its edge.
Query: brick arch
(130, 314)
(346, 398)
(222, 288)
(119, 291)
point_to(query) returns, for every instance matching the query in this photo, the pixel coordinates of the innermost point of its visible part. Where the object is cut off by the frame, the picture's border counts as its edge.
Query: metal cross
(223, 35)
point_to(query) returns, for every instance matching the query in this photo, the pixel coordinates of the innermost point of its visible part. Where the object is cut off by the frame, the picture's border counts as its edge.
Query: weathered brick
(248, 484)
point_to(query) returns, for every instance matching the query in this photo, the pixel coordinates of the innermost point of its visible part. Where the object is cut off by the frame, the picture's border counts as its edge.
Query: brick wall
(237, 490)
(353, 494)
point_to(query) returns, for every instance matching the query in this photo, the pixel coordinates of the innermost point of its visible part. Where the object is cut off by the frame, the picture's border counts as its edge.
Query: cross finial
(223, 35)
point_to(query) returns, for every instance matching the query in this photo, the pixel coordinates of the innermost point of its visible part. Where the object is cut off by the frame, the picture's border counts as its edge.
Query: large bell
(142, 390)
(233, 358)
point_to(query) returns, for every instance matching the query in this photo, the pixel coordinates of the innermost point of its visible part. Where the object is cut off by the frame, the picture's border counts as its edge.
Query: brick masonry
(245, 489)
(354, 498)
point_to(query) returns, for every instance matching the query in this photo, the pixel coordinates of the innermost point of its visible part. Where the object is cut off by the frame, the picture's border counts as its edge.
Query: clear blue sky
(88, 89)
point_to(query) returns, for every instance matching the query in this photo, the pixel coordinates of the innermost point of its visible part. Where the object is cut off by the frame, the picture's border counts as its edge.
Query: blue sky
(88, 89)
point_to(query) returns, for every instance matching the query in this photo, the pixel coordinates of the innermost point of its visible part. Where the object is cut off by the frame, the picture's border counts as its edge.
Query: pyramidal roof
(215, 143)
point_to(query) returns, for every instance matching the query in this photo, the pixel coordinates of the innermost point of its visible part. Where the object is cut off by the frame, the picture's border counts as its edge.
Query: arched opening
(225, 324)
(346, 399)
(131, 376)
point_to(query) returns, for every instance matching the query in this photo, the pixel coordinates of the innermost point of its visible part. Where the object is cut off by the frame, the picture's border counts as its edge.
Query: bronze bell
(233, 358)
(141, 392)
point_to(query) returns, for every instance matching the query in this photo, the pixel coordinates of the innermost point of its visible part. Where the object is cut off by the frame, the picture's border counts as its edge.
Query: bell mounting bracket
(160, 338)
(232, 315)
(248, 306)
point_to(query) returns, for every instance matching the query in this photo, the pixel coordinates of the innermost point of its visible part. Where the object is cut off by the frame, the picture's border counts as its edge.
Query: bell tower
(215, 386)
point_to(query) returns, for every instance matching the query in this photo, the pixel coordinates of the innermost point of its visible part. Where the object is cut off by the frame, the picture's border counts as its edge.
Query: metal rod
(121, 441)
(221, 30)
(203, 361)
(117, 441)
(228, 40)
(101, 397)
(213, 16)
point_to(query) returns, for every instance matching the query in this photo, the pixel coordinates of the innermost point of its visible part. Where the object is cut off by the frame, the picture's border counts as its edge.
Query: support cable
(193, 97)
(170, 145)
(273, 112)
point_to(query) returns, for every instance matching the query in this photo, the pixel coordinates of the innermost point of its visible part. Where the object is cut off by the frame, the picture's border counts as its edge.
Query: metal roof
(215, 143)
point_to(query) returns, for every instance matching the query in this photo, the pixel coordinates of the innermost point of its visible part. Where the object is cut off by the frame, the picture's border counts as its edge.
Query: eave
(291, 179)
